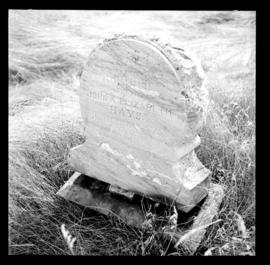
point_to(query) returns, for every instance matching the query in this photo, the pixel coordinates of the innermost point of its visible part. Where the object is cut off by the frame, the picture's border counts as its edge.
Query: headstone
(143, 104)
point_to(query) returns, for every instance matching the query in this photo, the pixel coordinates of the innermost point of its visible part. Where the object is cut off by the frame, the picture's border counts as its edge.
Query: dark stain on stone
(177, 48)
(184, 94)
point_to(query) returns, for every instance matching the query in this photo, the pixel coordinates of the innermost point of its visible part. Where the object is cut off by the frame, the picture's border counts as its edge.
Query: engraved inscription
(126, 112)
(121, 105)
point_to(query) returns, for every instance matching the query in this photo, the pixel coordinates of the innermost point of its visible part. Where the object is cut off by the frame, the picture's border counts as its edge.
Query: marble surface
(143, 103)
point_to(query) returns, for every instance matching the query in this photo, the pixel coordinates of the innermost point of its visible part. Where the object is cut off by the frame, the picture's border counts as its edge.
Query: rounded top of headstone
(144, 83)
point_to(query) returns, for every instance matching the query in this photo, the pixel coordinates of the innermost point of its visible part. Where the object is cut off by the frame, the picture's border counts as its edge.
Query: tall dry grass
(47, 51)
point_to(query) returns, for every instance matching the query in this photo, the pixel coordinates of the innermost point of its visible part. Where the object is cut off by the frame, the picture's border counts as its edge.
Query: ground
(47, 53)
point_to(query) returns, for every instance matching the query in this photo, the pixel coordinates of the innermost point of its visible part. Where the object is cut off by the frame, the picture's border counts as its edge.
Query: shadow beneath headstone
(160, 210)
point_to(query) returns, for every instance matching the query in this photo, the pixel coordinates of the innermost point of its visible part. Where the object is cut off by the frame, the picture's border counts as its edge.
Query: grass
(47, 52)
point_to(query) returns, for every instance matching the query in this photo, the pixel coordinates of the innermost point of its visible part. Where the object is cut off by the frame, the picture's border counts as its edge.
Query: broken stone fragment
(191, 237)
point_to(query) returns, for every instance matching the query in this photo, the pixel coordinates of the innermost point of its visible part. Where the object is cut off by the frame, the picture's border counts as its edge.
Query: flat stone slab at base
(94, 194)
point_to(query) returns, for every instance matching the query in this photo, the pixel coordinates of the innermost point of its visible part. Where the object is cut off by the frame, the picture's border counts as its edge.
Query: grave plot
(143, 104)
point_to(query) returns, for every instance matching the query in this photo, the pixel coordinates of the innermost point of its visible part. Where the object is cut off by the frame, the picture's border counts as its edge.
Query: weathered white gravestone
(143, 104)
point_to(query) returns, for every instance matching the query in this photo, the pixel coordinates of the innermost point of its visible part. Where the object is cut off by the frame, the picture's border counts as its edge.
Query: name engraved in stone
(125, 112)
(126, 104)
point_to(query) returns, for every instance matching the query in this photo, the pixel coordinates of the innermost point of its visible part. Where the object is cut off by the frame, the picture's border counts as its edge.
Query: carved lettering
(125, 112)
(126, 105)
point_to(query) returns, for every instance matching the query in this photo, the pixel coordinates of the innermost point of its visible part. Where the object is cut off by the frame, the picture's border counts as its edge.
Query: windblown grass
(47, 51)
(36, 50)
